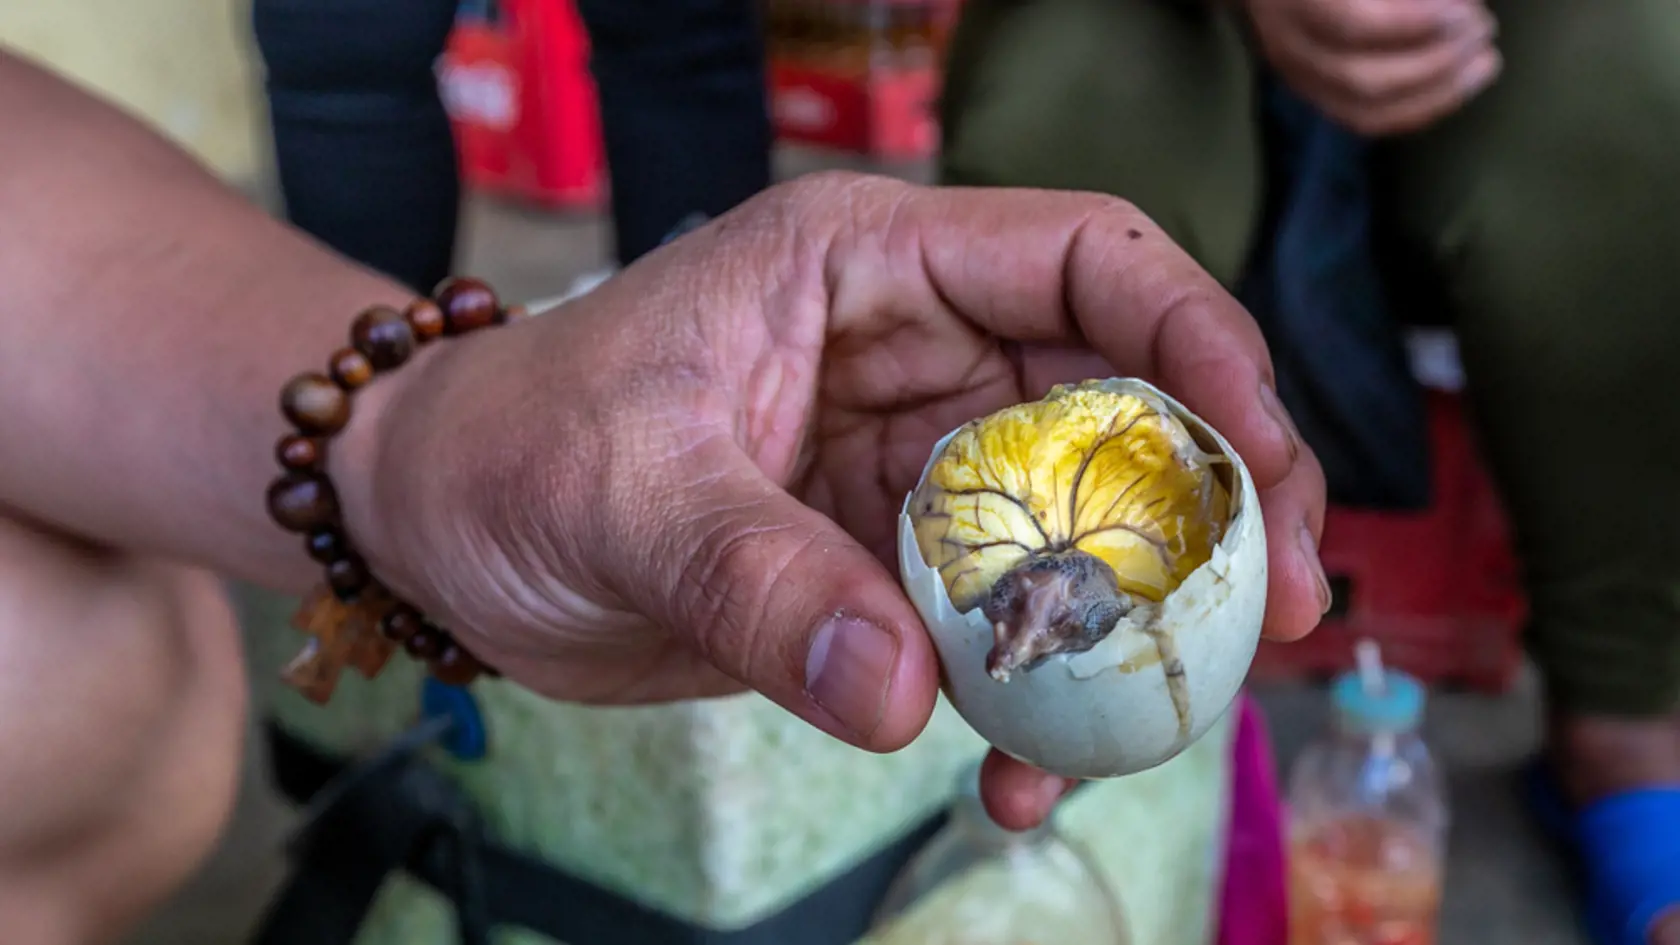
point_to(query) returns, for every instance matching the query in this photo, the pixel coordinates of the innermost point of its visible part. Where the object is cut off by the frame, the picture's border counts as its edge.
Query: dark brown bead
(467, 304)
(300, 502)
(315, 404)
(425, 318)
(347, 576)
(350, 368)
(326, 545)
(454, 666)
(400, 624)
(299, 453)
(384, 335)
(426, 643)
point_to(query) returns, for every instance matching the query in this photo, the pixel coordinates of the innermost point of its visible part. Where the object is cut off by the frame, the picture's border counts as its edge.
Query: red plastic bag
(518, 90)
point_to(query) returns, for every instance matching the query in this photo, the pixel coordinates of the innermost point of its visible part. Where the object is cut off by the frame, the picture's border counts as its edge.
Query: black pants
(363, 146)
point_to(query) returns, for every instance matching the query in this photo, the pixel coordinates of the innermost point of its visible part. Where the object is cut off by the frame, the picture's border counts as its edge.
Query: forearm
(150, 316)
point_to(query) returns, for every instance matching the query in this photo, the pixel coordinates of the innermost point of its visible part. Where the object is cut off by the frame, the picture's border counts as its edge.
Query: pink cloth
(1253, 904)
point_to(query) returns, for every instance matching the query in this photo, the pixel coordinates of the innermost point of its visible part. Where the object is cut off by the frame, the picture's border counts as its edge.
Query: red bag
(517, 87)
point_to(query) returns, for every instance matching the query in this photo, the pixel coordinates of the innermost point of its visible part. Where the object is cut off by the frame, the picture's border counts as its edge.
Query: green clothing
(1546, 215)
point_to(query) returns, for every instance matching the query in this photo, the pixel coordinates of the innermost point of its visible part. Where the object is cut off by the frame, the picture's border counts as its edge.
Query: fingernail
(849, 670)
(1286, 425)
(1309, 547)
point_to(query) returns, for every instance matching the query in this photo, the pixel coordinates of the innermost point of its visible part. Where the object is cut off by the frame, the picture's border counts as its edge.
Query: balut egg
(1092, 567)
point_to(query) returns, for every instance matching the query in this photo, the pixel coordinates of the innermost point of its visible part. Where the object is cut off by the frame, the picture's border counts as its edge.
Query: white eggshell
(1090, 715)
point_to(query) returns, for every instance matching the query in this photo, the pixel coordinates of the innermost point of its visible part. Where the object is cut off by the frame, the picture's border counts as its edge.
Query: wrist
(363, 454)
(332, 491)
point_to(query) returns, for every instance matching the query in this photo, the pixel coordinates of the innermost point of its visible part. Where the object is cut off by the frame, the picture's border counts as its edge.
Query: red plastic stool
(1437, 589)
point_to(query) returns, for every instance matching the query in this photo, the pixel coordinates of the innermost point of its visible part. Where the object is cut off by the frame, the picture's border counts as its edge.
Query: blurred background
(851, 84)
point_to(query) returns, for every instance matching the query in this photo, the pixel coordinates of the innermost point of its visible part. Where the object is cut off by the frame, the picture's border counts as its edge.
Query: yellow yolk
(1110, 474)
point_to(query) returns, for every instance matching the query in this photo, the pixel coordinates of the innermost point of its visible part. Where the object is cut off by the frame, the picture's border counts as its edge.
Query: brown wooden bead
(315, 404)
(348, 577)
(299, 453)
(425, 318)
(425, 643)
(400, 624)
(384, 336)
(300, 502)
(327, 545)
(467, 304)
(454, 666)
(350, 368)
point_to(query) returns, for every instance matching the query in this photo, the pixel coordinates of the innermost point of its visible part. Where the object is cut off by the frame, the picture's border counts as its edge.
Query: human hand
(1380, 67)
(687, 482)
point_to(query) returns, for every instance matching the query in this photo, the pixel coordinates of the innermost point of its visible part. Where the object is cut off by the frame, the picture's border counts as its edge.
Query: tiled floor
(1505, 886)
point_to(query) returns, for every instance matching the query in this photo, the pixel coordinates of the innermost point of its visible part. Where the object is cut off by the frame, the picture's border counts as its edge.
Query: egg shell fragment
(1108, 712)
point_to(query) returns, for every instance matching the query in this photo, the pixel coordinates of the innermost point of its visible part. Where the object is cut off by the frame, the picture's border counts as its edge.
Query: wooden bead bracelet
(351, 619)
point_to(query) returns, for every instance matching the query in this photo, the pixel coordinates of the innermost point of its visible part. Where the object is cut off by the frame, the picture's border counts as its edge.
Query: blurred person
(685, 112)
(1523, 159)
(367, 160)
(676, 514)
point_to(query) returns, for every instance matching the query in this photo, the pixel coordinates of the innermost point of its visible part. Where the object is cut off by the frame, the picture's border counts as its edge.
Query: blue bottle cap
(1396, 708)
(466, 738)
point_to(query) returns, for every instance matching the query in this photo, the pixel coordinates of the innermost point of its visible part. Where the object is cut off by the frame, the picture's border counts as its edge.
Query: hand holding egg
(707, 498)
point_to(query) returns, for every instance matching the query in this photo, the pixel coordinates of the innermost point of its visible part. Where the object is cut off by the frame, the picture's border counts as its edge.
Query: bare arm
(148, 318)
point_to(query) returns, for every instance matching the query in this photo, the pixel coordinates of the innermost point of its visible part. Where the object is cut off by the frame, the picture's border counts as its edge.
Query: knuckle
(728, 587)
(1119, 210)
(792, 230)
(861, 203)
(824, 182)
(705, 593)
(1111, 222)
(821, 193)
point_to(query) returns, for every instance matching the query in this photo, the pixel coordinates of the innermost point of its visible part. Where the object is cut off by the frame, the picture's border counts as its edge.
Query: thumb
(779, 597)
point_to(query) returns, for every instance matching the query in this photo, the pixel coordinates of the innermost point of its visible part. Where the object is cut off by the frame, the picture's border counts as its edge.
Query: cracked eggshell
(1107, 712)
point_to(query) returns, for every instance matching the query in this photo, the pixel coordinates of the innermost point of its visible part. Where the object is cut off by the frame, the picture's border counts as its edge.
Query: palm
(870, 442)
(888, 391)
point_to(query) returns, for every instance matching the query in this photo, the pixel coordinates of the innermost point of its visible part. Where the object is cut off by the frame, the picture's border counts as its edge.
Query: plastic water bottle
(978, 884)
(1368, 818)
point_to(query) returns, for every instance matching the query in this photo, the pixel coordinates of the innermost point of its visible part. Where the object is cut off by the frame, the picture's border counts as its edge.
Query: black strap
(361, 825)
(396, 813)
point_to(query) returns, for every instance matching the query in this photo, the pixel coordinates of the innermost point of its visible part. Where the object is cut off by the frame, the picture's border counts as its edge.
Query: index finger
(1056, 266)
